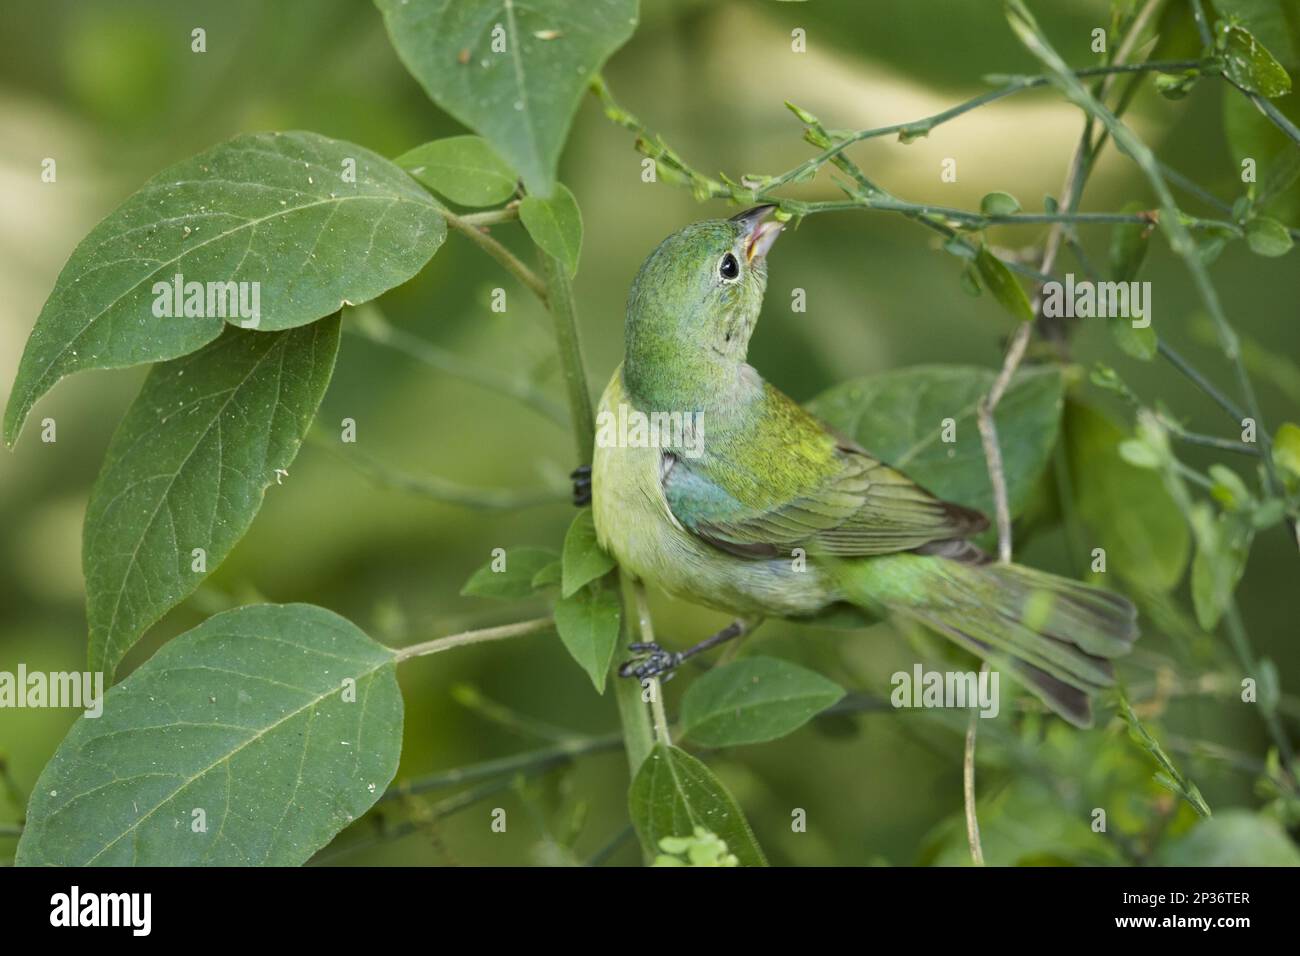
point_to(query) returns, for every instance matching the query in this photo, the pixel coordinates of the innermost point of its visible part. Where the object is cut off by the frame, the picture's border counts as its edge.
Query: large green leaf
(588, 624)
(512, 72)
(899, 416)
(252, 739)
(754, 700)
(673, 793)
(275, 209)
(1127, 508)
(188, 468)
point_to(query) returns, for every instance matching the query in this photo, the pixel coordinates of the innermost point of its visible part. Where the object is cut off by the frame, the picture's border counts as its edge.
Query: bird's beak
(760, 234)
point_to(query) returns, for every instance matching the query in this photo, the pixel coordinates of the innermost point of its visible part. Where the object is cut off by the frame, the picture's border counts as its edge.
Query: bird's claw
(581, 485)
(652, 661)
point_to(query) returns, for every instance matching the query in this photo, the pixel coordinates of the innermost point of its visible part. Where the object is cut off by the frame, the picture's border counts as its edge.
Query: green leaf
(899, 417)
(513, 73)
(1004, 286)
(1126, 508)
(674, 793)
(999, 204)
(1249, 63)
(509, 575)
(584, 560)
(272, 210)
(281, 723)
(1286, 448)
(1222, 546)
(754, 700)
(588, 624)
(188, 468)
(1268, 237)
(555, 224)
(465, 169)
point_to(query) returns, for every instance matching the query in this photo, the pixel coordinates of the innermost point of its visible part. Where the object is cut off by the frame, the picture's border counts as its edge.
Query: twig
(431, 486)
(968, 787)
(1240, 640)
(646, 633)
(1171, 219)
(519, 629)
(535, 761)
(371, 324)
(638, 737)
(1200, 381)
(479, 236)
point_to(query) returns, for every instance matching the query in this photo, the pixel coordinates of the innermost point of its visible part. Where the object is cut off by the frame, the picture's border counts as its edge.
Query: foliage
(257, 736)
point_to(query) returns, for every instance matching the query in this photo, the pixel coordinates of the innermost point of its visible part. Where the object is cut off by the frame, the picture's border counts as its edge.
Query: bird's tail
(1055, 635)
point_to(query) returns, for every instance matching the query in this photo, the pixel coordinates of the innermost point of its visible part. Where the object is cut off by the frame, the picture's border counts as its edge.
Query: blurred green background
(112, 91)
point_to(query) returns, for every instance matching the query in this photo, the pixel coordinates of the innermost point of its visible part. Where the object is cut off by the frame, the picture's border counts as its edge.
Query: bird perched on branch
(751, 505)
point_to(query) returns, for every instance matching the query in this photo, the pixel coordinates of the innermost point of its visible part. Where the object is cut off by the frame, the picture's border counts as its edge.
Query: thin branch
(433, 487)
(480, 237)
(371, 324)
(646, 634)
(1240, 641)
(1171, 220)
(531, 762)
(638, 736)
(520, 629)
(968, 787)
(1200, 381)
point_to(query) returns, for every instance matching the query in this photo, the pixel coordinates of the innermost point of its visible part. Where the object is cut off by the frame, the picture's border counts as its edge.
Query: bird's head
(696, 300)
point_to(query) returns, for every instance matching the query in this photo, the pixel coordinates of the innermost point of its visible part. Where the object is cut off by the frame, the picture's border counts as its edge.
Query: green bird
(716, 487)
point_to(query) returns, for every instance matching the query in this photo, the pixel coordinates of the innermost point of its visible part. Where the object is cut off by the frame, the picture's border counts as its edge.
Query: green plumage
(767, 513)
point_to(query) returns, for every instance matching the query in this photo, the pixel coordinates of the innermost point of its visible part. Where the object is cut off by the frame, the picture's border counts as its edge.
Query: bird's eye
(729, 268)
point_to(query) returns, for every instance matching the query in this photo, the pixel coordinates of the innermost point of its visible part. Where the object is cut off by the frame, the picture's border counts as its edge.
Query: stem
(924, 126)
(638, 738)
(1250, 664)
(433, 487)
(1171, 219)
(371, 324)
(479, 236)
(518, 629)
(534, 761)
(564, 316)
(646, 634)
(1201, 382)
(989, 436)
(968, 788)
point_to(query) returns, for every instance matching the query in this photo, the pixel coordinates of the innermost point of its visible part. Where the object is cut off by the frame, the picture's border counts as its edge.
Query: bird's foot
(652, 661)
(581, 485)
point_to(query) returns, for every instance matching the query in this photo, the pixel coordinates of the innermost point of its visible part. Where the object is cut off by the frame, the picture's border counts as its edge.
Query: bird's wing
(785, 481)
